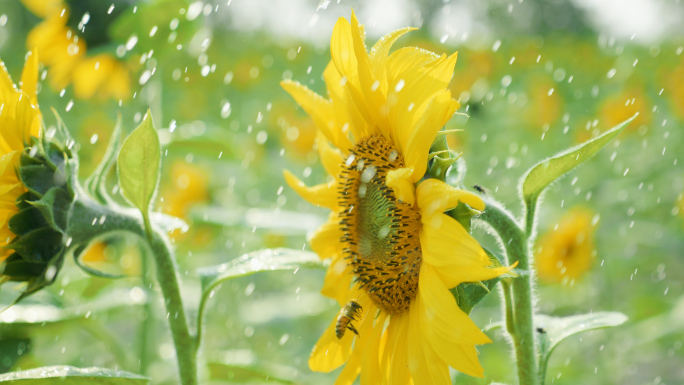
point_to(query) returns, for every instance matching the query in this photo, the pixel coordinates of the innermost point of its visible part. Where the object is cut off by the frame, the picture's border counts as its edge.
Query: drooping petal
(440, 109)
(365, 327)
(330, 353)
(396, 353)
(450, 332)
(400, 181)
(324, 194)
(29, 77)
(455, 254)
(320, 111)
(370, 365)
(435, 196)
(379, 55)
(425, 366)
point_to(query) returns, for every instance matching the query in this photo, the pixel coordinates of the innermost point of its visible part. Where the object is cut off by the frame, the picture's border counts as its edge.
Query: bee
(350, 312)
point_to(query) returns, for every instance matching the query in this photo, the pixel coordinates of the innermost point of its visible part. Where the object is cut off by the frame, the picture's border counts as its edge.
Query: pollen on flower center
(380, 232)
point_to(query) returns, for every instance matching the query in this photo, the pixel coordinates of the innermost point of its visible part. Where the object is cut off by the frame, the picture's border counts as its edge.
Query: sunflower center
(380, 233)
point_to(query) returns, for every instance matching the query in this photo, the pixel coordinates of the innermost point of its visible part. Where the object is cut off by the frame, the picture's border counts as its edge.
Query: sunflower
(391, 246)
(20, 119)
(567, 252)
(64, 52)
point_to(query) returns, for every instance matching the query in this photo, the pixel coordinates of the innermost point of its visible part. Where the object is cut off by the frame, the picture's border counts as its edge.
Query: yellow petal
(409, 95)
(29, 77)
(337, 281)
(400, 181)
(458, 257)
(330, 158)
(347, 116)
(380, 53)
(353, 367)
(374, 98)
(397, 350)
(342, 51)
(440, 109)
(435, 196)
(406, 58)
(320, 110)
(89, 74)
(425, 366)
(450, 332)
(325, 241)
(324, 195)
(330, 353)
(370, 366)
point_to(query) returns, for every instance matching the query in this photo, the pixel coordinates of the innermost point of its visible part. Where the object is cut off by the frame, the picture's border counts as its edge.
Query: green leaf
(139, 164)
(545, 172)
(248, 264)
(239, 366)
(468, 295)
(63, 374)
(95, 184)
(552, 330)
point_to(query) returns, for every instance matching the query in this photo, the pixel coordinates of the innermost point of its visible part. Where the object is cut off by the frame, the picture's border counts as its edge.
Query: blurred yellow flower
(393, 249)
(297, 134)
(20, 119)
(567, 252)
(621, 107)
(544, 103)
(64, 53)
(189, 185)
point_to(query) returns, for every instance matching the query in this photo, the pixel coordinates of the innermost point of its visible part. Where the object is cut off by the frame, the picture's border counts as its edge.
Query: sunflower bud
(47, 170)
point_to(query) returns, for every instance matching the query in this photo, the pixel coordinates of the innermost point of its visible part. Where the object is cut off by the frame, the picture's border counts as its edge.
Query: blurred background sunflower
(73, 39)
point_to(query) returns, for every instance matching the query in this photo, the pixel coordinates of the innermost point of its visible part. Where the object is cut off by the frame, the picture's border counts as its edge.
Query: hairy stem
(81, 229)
(521, 310)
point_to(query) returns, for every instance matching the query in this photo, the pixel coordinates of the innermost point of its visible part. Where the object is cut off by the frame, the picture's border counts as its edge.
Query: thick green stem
(82, 231)
(167, 278)
(515, 241)
(146, 331)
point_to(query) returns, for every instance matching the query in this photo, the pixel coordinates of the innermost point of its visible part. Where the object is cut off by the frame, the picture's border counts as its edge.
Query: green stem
(146, 332)
(81, 229)
(167, 277)
(515, 241)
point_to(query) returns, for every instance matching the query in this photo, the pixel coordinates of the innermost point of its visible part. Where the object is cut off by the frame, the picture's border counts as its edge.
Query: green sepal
(38, 245)
(26, 220)
(54, 206)
(463, 214)
(15, 268)
(95, 183)
(439, 167)
(37, 178)
(468, 295)
(24, 200)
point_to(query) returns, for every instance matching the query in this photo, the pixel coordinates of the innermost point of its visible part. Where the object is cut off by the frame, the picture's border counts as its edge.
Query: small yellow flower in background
(544, 103)
(391, 246)
(621, 107)
(20, 119)
(64, 53)
(567, 252)
(189, 186)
